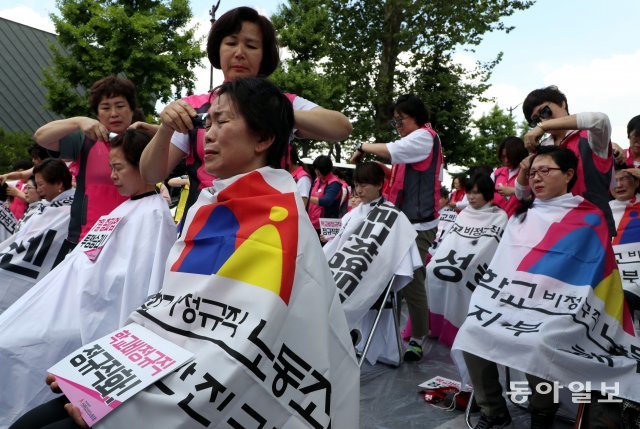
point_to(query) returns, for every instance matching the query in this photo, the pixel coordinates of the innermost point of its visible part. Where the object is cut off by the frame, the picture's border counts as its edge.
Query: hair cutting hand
(532, 138)
(93, 129)
(177, 116)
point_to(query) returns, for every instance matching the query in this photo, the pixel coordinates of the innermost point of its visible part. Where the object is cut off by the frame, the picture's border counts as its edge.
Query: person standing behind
(511, 152)
(587, 135)
(241, 43)
(415, 188)
(300, 174)
(324, 200)
(86, 141)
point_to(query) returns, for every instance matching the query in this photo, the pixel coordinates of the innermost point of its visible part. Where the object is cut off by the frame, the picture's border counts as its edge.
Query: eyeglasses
(396, 122)
(544, 113)
(544, 171)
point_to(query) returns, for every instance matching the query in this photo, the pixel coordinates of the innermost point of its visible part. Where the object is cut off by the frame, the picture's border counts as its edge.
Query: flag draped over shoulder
(551, 303)
(248, 291)
(35, 249)
(376, 242)
(7, 223)
(626, 244)
(465, 251)
(82, 300)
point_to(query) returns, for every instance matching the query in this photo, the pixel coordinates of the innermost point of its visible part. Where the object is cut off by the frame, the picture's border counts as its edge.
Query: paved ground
(389, 397)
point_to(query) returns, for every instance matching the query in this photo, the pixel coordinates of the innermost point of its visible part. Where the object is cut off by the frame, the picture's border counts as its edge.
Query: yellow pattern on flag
(609, 290)
(262, 251)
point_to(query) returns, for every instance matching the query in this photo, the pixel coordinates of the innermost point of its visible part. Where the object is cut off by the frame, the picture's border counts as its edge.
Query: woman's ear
(264, 144)
(570, 173)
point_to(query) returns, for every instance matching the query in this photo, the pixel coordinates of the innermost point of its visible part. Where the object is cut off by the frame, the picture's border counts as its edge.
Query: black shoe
(413, 353)
(493, 423)
(356, 336)
(541, 420)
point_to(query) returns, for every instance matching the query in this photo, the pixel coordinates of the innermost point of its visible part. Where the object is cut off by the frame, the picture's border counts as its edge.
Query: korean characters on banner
(96, 238)
(103, 374)
(329, 228)
(351, 262)
(280, 369)
(7, 223)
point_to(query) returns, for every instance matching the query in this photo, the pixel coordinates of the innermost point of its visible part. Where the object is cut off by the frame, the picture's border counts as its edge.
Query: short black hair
(369, 173)
(444, 192)
(483, 183)
(37, 151)
(563, 157)
(132, 142)
(634, 125)
(231, 23)
(514, 149)
(412, 106)
(538, 96)
(109, 87)
(323, 164)
(54, 171)
(266, 110)
(23, 164)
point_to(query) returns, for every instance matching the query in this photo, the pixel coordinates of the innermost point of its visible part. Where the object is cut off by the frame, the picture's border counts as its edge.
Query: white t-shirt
(412, 148)
(304, 186)
(181, 140)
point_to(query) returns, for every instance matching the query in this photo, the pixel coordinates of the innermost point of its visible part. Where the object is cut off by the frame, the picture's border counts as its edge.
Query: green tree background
(358, 56)
(13, 147)
(147, 41)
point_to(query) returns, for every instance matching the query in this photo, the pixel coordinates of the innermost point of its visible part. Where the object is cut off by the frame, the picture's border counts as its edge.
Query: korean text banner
(80, 301)
(551, 303)
(32, 252)
(463, 252)
(248, 293)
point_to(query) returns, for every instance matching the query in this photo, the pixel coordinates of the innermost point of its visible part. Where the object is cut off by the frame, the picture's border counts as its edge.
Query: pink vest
(18, 206)
(101, 194)
(629, 158)
(319, 187)
(299, 173)
(501, 177)
(420, 206)
(593, 174)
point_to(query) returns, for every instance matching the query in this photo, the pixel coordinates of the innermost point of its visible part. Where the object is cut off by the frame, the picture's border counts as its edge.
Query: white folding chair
(387, 301)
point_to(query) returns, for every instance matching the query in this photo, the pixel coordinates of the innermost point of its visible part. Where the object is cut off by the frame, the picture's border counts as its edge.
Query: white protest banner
(446, 220)
(551, 303)
(80, 301)
(101, 375)
(32, 252)
(7, 222)
(329, 227)
(626, 244)
(376, 241)
(246, 293)
(93, 243)
(469, 245)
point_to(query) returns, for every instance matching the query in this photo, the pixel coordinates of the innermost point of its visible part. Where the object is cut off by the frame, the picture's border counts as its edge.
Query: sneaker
(413, 353)
(493, 423)
(541, 421)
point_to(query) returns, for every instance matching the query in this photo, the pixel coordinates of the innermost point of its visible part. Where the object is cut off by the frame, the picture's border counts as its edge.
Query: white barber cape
(28, 255)
(376, 242)
(81, 301)
(551, 304)
(248, 292)
(464, 251)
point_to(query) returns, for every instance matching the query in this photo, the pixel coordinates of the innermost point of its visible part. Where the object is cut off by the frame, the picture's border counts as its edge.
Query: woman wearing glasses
(587, 135)
(551, 176)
